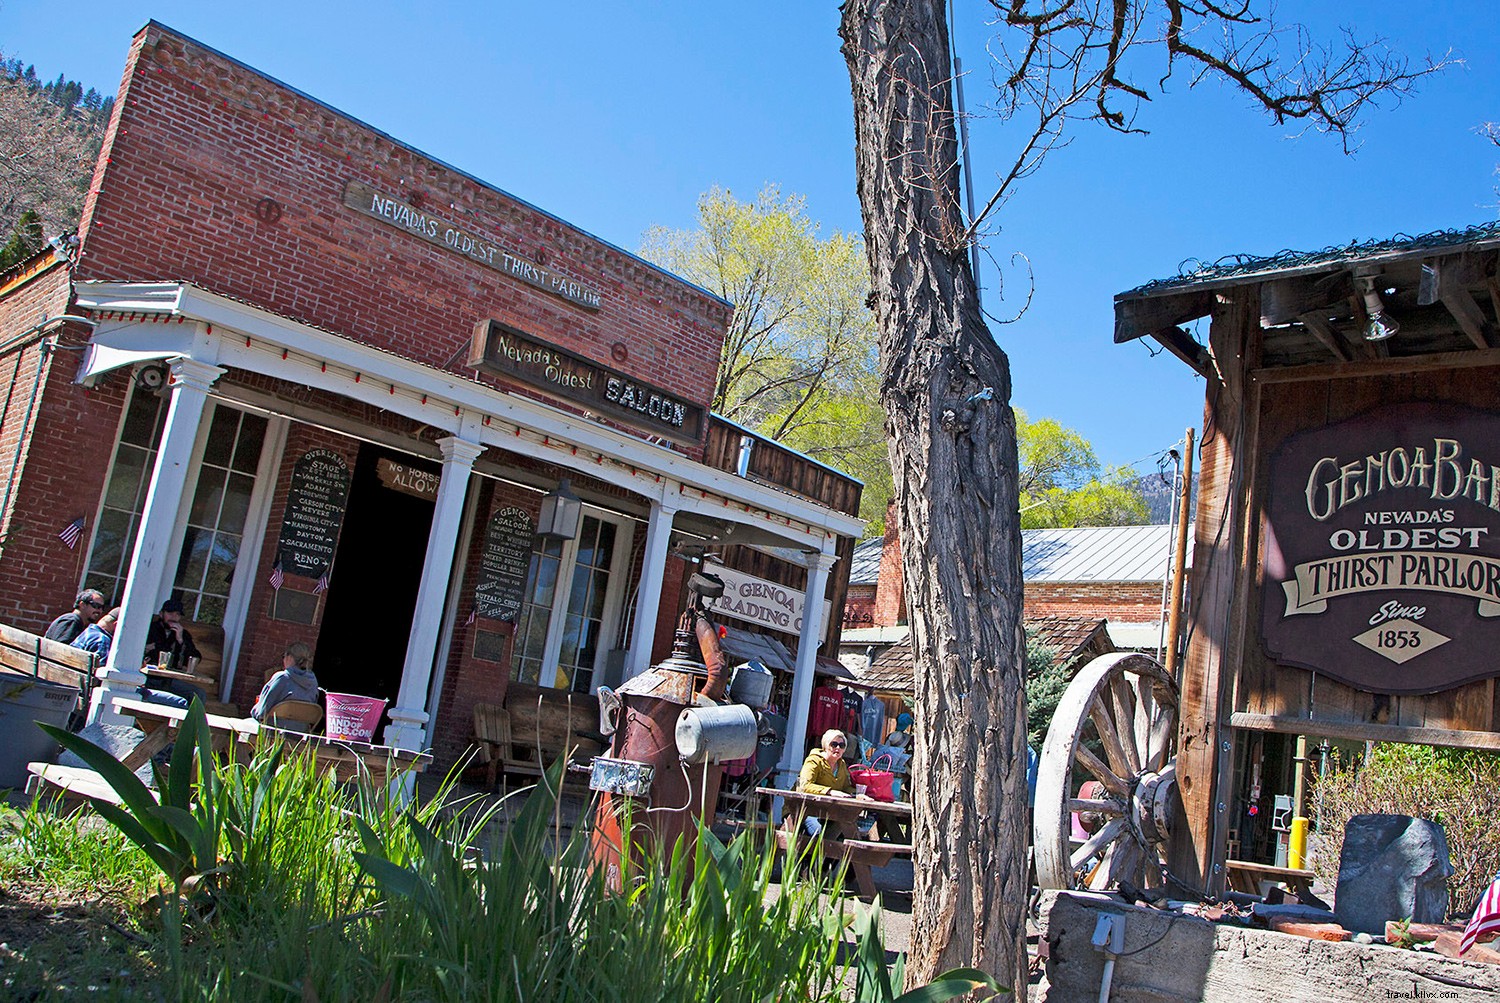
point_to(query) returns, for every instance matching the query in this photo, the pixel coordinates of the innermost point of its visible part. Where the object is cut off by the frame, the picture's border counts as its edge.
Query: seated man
(87, 606)
(295, 681)
(166, 636)
(97, 637)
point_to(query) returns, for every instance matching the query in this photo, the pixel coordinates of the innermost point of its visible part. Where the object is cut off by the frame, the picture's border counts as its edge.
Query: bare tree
(945, 384)
(45, 160)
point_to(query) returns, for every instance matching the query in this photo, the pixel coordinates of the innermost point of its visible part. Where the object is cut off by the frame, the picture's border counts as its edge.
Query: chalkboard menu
(314, 512)
(502, 566)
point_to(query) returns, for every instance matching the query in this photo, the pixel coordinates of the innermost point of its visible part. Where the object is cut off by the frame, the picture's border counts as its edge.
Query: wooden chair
(295, 715)
(492, 736)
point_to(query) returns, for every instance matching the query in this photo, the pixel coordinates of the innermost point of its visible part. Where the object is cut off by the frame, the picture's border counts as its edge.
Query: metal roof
(1097, 554)
(864, 565)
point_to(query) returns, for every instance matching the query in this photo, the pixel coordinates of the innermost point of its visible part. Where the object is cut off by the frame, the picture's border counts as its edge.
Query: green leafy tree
(1046, 679)
(1063, 484)
(799, 356)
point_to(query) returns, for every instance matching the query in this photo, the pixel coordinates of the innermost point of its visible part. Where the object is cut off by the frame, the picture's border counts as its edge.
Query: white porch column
(409, 717)
(793, 752)
(648, 596)
(145, 584)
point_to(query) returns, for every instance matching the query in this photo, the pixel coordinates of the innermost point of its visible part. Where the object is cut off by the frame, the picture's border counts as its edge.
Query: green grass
(322, 892)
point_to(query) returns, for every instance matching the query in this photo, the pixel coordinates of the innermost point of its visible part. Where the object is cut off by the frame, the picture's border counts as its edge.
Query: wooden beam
(1287, 299)
(1494, 287)
(1317, 325)
(1377, 367)
(1471, 320)
(1138, 318)
(1181, 344)
(1366, 732)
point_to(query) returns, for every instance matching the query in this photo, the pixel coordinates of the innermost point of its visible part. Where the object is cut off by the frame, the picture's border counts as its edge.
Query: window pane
(598, 589)
(572, 627)
(205, 510)
(140, 419)
(211, 609)
(221, 561)
(606, 552)
(109, 541)
(125, 483)
(221, 435)
(252, 438)
(236, 503)
(194, 558)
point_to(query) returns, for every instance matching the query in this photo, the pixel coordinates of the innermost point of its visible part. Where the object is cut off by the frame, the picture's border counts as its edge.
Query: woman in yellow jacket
(825, 772)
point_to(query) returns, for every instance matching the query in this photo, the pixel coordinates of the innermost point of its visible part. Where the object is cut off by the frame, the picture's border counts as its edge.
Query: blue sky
(616, 117)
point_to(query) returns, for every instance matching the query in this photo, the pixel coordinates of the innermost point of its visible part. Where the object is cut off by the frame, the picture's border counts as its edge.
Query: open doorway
(372, 593)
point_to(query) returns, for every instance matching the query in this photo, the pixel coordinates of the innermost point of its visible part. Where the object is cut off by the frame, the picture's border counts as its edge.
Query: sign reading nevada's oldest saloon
(506, 352)
(1382, 549)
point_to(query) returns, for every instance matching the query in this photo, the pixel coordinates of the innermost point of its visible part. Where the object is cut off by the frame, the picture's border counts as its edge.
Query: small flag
(72, 532)
(1486, 917)
(322, 585)
(276, 576)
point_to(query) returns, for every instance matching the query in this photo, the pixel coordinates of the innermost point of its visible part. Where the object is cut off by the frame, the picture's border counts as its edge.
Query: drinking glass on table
(163, 659)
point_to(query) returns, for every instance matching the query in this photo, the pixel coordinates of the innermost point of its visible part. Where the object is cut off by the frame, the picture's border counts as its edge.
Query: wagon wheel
(1128, 704)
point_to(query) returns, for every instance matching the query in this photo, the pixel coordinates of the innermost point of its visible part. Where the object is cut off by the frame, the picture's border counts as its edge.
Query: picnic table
(889, 835)
(237, 736)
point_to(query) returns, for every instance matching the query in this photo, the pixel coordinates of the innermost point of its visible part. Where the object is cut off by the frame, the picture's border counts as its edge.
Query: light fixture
(1379, 325)
(561, 510)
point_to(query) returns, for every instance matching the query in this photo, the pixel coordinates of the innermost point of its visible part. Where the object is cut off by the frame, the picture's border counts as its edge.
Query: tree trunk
(946, 391)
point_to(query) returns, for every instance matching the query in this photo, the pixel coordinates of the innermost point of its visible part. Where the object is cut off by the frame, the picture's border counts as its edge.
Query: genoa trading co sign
(444, 233)
(506, 352)
(1382, 549)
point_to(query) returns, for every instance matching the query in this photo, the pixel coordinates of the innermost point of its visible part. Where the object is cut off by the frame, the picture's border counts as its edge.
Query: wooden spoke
(1089, 804)
(1114, 749)
(1097, 841)
(1101, 772)
(1132, 705)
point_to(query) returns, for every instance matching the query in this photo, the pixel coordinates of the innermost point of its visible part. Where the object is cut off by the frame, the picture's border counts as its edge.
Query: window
(125, 493)
(573, 594)
(216, 522)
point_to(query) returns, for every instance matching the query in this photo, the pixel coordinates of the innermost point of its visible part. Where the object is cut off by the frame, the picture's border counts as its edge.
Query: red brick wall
(198, 141)
(890, 588)
(60, 469)
(859, 607)
(1121, 602)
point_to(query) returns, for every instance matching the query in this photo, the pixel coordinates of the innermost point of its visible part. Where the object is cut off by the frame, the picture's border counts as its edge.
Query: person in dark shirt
(167, 635)
(88, 607)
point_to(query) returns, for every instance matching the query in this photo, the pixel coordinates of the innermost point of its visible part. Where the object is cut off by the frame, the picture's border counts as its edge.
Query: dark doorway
(372, 594)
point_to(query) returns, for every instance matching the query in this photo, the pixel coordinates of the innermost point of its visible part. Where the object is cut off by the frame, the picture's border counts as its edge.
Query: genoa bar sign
(506, 352)
(1382, 549)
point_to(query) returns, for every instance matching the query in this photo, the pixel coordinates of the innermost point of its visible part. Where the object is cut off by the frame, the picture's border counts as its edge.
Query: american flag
(1486, 917)
(72, 532)
(276, 576)
(322, 585)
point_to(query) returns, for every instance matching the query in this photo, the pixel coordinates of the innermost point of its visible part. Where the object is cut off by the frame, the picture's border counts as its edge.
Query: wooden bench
(1251, 878)
(862, 855)
(76, 784)
(53, 661)
(533, 730)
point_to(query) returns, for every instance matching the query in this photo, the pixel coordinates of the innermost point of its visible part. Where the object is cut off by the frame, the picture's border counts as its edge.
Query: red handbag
(879, 784)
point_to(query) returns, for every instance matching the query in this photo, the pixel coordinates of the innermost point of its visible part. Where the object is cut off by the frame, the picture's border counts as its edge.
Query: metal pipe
(1166, 582)
(1179, 561)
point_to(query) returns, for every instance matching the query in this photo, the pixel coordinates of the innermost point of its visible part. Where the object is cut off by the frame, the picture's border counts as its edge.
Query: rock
(1448, 943)
(1393, 867)
(1418, 933)
(1363, 938)
(117, 740)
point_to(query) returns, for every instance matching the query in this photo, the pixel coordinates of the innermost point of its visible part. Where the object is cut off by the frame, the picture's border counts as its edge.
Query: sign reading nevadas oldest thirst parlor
(1382, 549)
(314, 513)
(504, 351)
(503, 565)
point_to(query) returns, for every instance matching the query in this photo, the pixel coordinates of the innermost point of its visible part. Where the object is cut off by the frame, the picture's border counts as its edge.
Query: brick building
(304, 347)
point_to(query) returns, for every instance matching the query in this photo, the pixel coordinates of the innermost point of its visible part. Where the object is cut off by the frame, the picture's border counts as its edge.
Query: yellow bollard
(1296, 854)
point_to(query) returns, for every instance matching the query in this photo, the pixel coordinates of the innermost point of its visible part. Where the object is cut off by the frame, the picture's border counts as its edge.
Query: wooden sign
(504, 351)
(449, 235)
(314, 513)
(407, 479)
(503, 565)
(1382, 549)
(756, 600)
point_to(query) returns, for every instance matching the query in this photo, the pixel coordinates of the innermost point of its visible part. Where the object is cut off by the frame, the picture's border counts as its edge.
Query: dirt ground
(54, 948)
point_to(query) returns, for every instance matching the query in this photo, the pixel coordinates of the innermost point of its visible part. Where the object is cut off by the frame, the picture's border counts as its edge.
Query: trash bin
(25, 700)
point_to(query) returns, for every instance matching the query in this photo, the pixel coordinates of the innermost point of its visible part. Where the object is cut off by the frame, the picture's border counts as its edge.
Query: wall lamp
(560, 514)
(1379, 325)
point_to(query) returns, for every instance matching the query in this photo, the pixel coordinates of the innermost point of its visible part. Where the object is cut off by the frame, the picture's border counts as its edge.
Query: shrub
(1458, 789)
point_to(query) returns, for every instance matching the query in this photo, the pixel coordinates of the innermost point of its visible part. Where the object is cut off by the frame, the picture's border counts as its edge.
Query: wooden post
(1179, 558)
